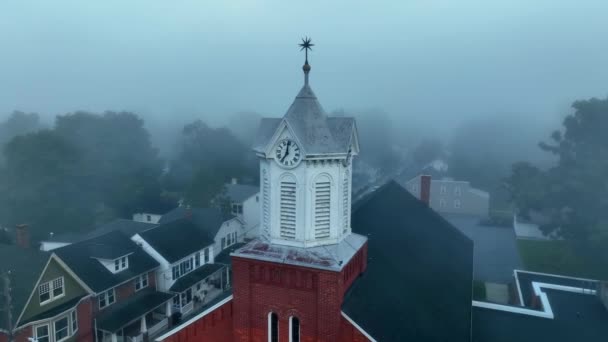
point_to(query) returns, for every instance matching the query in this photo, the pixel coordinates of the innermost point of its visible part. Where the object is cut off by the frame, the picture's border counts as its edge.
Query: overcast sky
(430, 61)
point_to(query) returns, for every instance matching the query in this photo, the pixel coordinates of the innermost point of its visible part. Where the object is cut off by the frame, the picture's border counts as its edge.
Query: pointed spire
(306, 45)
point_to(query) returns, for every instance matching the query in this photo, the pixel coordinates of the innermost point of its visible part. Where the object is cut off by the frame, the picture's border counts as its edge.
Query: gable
(283, 131)
(72, 290)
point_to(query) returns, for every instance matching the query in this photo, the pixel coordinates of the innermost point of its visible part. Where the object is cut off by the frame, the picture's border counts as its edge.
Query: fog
(431, 65)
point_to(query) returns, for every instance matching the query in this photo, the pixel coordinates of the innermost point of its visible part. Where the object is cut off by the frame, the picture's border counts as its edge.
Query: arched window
(273, 327)
(322, 206)
(294, 329)
(288, 207)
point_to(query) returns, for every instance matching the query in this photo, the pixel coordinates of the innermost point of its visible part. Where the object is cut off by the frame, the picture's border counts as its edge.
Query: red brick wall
(84, 312)
(314, 296)
(214, 327)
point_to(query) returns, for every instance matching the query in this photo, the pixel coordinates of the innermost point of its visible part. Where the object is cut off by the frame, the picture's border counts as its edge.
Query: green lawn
(558, 257)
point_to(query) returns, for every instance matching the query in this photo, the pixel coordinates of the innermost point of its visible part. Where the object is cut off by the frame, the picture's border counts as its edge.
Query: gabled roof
(199, 274)
(81, 258)
(307, 120)
(177, 239)
(128, 227)
(240, 192)
(417, 286)
(25, 266)
(208, 220)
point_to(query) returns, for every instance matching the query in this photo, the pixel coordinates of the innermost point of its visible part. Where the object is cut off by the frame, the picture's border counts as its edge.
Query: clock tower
(289, 283)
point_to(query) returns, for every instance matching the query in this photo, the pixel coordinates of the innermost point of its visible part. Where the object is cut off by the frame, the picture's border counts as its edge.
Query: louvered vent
(266, 203)
(288, 210)
(322, 209)
(345, 202)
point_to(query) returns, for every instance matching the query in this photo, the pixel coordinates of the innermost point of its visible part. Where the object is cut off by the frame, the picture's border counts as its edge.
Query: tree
(207, 159)
(38, 184)
(427, 151)
(18, 123)
(572, 194)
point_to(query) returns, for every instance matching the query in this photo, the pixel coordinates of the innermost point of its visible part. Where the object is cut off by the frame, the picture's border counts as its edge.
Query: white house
(245, 204)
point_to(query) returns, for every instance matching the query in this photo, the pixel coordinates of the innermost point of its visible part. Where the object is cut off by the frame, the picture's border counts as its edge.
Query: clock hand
(286, 152)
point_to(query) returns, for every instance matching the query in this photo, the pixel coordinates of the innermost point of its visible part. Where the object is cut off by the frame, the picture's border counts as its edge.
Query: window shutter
(288, 209)
(322, 208)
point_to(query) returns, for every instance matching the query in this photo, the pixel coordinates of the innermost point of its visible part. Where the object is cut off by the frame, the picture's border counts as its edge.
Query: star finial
(306, 45)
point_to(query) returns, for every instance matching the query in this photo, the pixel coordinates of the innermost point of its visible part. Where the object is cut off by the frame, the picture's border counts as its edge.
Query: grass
(559, 257)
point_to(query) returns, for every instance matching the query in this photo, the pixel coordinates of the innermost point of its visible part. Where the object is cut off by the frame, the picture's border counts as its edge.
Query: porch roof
(195, 276)
(121, 314)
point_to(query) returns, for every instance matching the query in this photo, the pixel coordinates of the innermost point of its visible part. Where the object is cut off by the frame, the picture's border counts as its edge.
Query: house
(21, 270)
(119, 278)
(146, 217)
(245, 204)
(224, 229)
(127, 227)
(448, 196)
(185, 253)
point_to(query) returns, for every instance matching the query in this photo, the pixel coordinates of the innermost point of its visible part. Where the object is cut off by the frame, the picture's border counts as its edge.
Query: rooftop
(240, 192)
(195, 276)
(571, 311)
(81, 257)
(178, 239)
(126, 312)
(328, 257)
(417, 286)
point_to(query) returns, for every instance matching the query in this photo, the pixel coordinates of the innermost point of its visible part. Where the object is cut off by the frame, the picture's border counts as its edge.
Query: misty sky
(425, 61)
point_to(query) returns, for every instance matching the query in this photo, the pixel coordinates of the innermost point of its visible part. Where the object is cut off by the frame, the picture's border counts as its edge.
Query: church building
(386, 268)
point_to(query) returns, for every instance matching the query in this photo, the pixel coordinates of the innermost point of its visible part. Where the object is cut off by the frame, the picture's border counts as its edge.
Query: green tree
(572, 194)
(207, 159)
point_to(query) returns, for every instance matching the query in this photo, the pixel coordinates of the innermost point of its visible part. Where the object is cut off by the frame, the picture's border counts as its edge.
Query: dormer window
(121, 264)
(51, 290)
(237, 208)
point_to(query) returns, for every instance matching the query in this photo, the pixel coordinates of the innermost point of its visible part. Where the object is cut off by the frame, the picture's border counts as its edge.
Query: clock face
(288, 153)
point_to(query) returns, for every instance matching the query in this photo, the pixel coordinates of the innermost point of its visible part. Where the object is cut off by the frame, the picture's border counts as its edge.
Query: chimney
(22, 236)
(425, 189)
(234, 181)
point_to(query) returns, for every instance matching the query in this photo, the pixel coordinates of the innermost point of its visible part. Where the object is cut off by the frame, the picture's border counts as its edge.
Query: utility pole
(8, 304)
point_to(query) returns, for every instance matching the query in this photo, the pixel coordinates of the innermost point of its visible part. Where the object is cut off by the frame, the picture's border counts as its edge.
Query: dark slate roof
(81, 257)
(317, 133)
(195, 276)
(417, 286)
(121, 314)
(54, 311)
(525, 280)
(224, 256)
(578, 317)
(128, 227)
(25, 266)
(208, 220)
(177, 239)
(240, 192)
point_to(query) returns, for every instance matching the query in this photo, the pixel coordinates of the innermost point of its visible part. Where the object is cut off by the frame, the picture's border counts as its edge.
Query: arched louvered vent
(322, 207)
(345, 202)
(288, 208)
(266, 202)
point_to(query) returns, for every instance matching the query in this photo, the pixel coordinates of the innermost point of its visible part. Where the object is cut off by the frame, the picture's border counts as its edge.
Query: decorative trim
(358, 327)
(193, 319)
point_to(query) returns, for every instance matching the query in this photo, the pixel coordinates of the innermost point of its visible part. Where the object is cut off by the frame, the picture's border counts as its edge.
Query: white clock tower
(306, 172)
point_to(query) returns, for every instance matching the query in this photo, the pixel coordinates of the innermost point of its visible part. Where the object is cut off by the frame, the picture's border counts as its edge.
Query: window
(287, 199)
(74, 321)
(42, 333)
(50, 290)
(442, 203)
(62, 328)
(197, 259)
(322, 207)
(176, 274)
(206, 253)
(457, 191)
(148, 218)
(457, 204)
(186, 297)
(237, 208)
(273, 327)
(223, 242)
(294, 327)
(443, 189)
(257, 198)
(141, 282)
(415, 189)
(120, 264)
(106, 298)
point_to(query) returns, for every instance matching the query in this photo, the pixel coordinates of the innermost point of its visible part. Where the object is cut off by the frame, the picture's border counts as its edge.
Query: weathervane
(306, 45)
